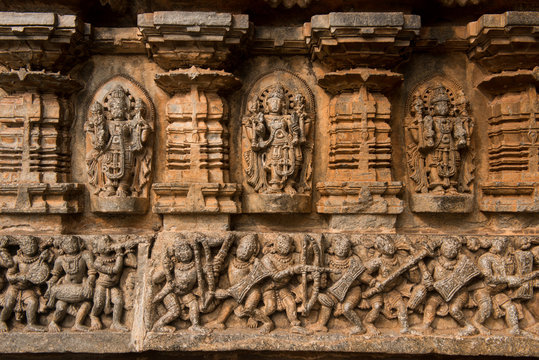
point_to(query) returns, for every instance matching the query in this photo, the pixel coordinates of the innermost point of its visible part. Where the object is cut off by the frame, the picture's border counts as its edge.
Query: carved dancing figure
(109, 264)
(72, 283)
(346, 273)
(283, 263)
(182, 272)
(28, 270)
(277, 139)
(448, 274)
(442, 136)
(491, 294)
(244, 272)
(118, 164)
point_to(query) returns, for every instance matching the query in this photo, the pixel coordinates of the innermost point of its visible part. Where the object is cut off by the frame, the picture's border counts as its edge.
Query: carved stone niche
(438, 147)
(197, 161)
(513, 156)
(360, 144)
(277, 144)
(119, 146)
(35, 165)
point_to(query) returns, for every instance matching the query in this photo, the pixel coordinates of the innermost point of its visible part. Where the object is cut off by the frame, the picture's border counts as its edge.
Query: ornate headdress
(118, 93)
(276, 91)
(439, 94)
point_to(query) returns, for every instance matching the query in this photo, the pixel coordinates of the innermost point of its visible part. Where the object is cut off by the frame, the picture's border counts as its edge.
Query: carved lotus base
(505, 197)
(118, 205)
(276, 203)
(40, 198)
(178, 198)
(372, 197)
(430, 203)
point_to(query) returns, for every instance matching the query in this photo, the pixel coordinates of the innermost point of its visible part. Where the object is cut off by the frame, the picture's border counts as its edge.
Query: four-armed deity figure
(441, 133)
(278, 135)
(119, 163)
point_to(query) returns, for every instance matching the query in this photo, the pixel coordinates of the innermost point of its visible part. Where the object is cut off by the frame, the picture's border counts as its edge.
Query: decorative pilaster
(36, 113)
(506, 45)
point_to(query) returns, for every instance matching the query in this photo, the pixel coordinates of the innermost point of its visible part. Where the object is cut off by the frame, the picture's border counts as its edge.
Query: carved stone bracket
(360, 144)
(183, 38)
(197, 171)
(345, 40)
(513, 159)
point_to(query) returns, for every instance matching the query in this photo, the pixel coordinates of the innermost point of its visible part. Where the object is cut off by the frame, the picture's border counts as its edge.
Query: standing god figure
(277, 139)
(118, 164)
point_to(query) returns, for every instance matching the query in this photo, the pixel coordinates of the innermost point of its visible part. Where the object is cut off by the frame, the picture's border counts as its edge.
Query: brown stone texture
(269, 178)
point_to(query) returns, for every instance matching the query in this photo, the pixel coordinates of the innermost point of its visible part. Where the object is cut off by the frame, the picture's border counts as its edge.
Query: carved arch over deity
(277, 143)
(119, 130)
(439, 150)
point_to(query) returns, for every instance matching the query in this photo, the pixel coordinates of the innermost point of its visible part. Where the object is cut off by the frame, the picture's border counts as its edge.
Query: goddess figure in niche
(278, 133)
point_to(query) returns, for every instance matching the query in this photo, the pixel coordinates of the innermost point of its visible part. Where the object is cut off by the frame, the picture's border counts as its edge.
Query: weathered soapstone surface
(289, 178)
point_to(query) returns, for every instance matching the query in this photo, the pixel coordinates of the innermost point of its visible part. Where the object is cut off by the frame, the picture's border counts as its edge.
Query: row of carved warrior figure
(343, 277)
(312, 279)
(62, 277)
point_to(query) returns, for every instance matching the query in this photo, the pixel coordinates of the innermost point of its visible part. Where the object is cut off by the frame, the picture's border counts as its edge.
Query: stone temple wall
(310, 178)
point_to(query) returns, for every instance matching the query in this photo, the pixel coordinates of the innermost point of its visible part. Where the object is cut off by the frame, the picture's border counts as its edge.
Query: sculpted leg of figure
(173, 311)
(327, 304)
(291, 312)
(256, 315)
(10, 301)
(117, 310)
(226, 309)
(455, 309)
(58, 316)
(511, 319)
(270, 304)
(32, 303)
(351, 300)
(484, 310)
(194, 316)
(402, 314)
(81, 315)
(97, 309)
(429, 314)
(371, 317)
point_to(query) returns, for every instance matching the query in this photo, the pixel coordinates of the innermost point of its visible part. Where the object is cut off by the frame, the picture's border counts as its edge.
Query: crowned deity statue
(441, 130)
(278, 128)
(119, 162)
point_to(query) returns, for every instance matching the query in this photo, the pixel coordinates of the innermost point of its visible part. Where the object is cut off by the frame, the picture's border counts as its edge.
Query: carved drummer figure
(346, 273)
(72, 283)
(29, 270)
(181, 273)
(117, 164)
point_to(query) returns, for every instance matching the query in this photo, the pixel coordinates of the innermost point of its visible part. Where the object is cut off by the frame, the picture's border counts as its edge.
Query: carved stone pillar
(36, 113)
(506, 45)
(360, 144)
(359, 187)
(196, 180)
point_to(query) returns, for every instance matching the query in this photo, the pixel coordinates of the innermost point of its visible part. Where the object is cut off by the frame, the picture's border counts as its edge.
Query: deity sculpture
(72, 283)
(109, 263)
(244, 273)
(491, 295)
(440, 129)
(448, 274)
(346, 273)
(278, 127)
(28, 270)
(119, 162)
(181, 272)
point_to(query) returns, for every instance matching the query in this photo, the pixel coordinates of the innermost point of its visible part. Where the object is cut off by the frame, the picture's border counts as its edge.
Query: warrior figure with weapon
(491, 294)
(244, 274)
(347, 272)
(449, 274)
(109, 263)
(28, 270)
